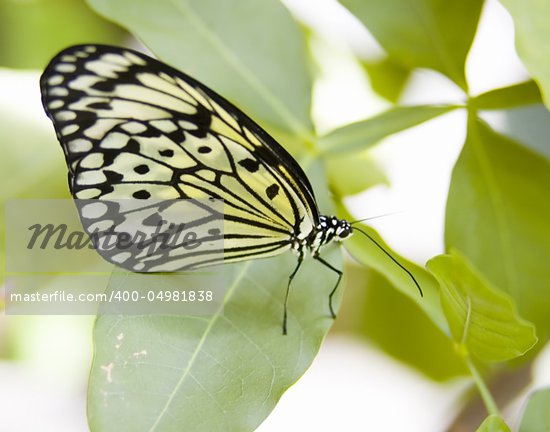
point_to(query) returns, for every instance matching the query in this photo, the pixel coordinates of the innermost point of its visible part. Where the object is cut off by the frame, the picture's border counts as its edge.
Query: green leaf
(352, 173)
(482, 319)
(526, 93)
(434, 34)
(365, 133)
(497, 216)
(536, 416)
(367, 253)
(493, 423)
(387, 77)
(532, 36)
(251, 52)
(225, 372)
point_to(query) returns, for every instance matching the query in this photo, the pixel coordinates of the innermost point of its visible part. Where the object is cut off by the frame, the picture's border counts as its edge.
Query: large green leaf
(224, 372)
(493, 423)
(434, 34)
(365, 133)
(497, 215)
(536, 416)
(483, 320)
(251, 52)
(532, 36)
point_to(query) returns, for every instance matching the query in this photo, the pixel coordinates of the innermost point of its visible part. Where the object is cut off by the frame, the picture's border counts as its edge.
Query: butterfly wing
(133, 127)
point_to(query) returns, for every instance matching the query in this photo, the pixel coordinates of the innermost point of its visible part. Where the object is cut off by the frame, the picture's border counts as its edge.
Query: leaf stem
(486, 396)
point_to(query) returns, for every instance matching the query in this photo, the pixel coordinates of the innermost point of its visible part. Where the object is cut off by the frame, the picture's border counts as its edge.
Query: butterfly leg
(339, 273)
(300, 259)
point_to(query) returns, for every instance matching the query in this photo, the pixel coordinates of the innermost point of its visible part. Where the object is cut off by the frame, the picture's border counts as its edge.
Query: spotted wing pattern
(133, 127)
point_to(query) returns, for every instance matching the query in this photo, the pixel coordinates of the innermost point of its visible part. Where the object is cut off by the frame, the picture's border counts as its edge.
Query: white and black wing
(133, 127)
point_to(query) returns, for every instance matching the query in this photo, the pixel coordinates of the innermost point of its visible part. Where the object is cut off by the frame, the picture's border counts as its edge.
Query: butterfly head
(331, 228)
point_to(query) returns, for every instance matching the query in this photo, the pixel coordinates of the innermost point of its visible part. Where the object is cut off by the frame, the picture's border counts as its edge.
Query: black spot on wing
(109, 156)
(204, 149)
(113, 176)
(132, 146)
(166, 153)
(250, 165)
(141, 169)
(104, 86)
(100, 106)
(272, 191)
(141, 194)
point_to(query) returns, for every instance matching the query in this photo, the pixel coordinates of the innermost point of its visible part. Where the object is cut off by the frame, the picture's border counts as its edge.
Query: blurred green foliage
(256, 55)
(493, 423)
(32, 32)
(375, 310)
(532, 35)
(387, 77)
(536, 416)
(342, 172)
(434, 34)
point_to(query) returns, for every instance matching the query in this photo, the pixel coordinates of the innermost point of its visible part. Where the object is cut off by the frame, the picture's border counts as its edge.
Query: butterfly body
(329, 229)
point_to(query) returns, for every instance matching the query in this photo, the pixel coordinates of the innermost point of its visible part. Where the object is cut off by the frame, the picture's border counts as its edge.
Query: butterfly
(133, 127)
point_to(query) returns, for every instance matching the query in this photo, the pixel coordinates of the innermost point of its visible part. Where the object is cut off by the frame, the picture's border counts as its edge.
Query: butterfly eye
(344, 231)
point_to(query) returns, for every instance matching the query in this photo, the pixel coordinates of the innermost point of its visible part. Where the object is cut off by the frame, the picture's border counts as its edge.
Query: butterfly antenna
(375, 217)
(391, 257)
